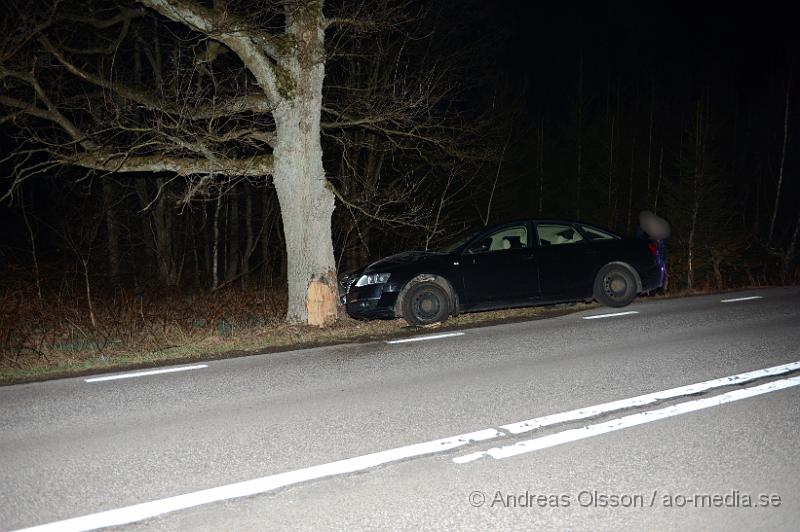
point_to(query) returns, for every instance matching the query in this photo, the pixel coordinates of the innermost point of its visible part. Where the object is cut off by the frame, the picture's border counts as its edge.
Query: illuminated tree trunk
(306, 209)
(304, 195)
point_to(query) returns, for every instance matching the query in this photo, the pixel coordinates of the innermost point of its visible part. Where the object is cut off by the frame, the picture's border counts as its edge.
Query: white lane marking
(735, 299)
(147, 510)
(597, 316)
(633, 420)
(138, 512)
(428, 337)
(641, 400)
(144, 373)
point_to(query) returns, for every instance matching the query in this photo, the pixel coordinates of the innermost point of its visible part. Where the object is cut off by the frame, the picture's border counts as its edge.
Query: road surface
(584, 422)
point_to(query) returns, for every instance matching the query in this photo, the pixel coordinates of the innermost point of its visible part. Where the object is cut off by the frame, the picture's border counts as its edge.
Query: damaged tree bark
(304, 195)
(289, 69)
(262, 121)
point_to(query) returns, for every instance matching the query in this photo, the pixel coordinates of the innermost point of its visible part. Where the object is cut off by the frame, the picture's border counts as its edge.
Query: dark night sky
(745, 49)
(675, 42)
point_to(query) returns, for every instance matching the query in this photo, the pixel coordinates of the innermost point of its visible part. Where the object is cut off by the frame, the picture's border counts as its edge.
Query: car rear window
(593, 233)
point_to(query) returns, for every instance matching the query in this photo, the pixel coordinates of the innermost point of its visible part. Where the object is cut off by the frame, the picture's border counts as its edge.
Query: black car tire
(615, 286)
(426, 303)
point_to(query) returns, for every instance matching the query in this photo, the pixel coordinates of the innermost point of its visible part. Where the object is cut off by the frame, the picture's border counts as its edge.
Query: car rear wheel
(615, 286)
(426, 303)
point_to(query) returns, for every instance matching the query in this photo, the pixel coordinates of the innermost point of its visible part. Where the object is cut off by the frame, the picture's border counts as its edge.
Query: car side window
(557, 234)
(592, 233)
(514, 237)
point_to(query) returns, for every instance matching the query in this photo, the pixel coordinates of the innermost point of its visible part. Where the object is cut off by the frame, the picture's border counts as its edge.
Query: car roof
(548, 221)
(555, 221)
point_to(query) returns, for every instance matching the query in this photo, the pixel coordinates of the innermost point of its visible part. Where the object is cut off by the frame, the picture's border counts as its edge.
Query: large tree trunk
(306, 209)
(304, 195)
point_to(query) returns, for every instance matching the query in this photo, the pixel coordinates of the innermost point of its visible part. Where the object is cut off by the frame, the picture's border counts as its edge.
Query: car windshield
(457, 242)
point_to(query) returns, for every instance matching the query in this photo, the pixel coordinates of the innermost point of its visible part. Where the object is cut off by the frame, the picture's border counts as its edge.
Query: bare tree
(783, 162)
(234, 89)
(790, 253)
(112, 228)
(404, 145)
(211, 92)
(697, 186)
(32, 238)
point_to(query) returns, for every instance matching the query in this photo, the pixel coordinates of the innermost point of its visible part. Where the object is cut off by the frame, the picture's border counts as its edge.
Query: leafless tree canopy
(295, 138)
(215, 92)
(109, 86)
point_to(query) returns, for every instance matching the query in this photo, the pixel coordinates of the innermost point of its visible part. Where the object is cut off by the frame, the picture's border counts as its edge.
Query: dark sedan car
(508, 265)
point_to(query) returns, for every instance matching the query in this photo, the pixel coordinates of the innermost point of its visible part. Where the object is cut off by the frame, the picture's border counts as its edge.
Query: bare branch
(258, 49)
(51, 112)
(124, 16)
(257, 166)
(104, 50)
(255, 103)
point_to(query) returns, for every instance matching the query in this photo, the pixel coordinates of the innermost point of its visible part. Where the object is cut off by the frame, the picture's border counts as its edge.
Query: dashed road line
(598, 316)
(144, 373)
(737, 299)
(422, 338)
(138, 512)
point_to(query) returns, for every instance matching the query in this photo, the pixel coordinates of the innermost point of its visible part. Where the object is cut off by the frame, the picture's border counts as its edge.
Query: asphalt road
(72, 448)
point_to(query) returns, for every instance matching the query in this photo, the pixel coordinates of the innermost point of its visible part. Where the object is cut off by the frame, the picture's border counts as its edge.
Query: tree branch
(256, 48)
(255, 103)
(126, 15)
(51, 112)
(257, 166)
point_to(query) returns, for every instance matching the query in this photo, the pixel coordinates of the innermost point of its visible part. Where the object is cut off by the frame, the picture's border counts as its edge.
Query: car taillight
(653, 247)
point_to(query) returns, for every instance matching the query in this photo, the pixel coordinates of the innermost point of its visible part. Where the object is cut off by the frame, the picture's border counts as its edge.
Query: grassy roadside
(185, 344)
(271, 338)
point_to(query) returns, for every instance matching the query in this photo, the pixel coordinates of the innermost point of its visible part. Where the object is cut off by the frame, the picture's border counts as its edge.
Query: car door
(566, 261)
(498, 268)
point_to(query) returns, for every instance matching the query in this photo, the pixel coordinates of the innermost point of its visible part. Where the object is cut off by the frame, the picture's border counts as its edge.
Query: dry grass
(57, 332)
(55, 337)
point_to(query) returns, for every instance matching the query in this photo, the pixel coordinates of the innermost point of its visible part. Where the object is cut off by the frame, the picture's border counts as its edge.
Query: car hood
(402, 259)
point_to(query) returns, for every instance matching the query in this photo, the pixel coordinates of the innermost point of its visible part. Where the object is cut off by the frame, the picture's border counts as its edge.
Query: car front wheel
(615, 286)
(426, 303)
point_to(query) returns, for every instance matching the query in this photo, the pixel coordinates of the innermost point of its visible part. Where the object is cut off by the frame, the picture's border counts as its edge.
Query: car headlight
(372, 278)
